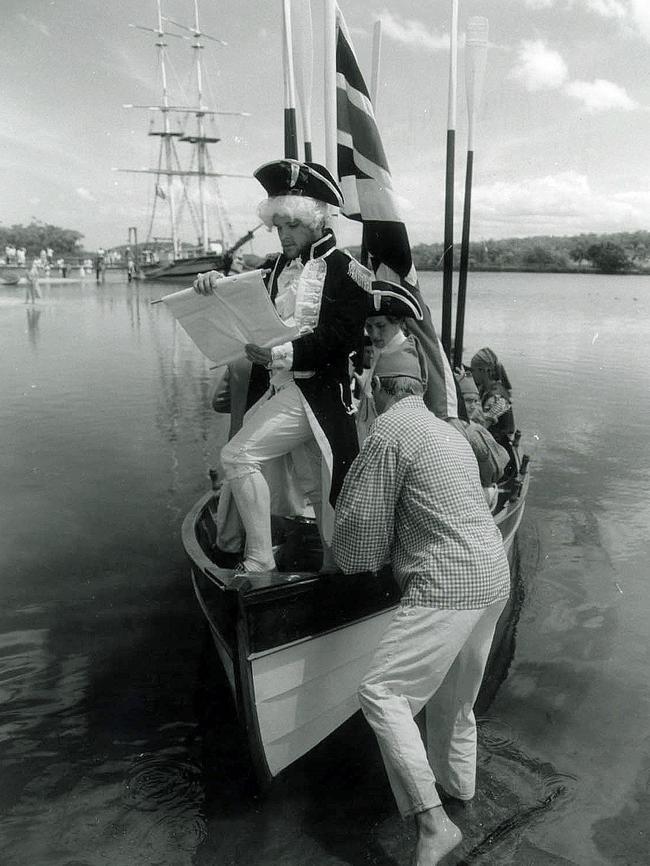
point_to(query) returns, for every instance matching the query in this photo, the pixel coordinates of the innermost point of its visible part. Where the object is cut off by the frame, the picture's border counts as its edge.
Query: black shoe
(241, 570)
(224, 558)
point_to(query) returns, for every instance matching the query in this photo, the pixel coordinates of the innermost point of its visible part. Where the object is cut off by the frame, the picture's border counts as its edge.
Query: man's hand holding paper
(225, 314)
(258, 354)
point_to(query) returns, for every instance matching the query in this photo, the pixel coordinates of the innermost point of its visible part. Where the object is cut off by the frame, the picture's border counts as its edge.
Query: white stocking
(253, 500)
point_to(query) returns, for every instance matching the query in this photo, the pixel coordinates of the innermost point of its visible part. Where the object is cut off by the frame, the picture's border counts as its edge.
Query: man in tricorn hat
(308, 404)
(413, 495)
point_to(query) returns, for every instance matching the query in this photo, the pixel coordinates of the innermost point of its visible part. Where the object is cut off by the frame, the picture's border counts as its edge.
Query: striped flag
(367, 188)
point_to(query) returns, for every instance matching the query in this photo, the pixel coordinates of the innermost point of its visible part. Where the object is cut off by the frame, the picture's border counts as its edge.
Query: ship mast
(169, 165)
(167, 135)
(201, 140)
(167, 156)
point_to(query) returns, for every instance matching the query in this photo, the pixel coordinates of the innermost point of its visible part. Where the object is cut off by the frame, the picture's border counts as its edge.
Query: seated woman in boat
(390, 307)
(299, 396)
(491, 457)
(495, 390)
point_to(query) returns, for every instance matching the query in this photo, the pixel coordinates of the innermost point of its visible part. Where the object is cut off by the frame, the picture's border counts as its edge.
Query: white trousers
(272, 429)
(431, 657)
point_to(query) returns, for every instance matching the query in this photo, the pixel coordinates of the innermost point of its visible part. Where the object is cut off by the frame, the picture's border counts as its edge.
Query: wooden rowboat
(10, 276)
(294, 644)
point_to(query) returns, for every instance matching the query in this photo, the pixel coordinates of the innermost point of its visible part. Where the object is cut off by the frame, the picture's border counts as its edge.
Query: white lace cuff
(282, 357)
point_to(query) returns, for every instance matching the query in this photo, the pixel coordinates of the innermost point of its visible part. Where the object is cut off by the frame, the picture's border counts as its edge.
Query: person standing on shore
(32, 293)
(413, 496)
(100, 266)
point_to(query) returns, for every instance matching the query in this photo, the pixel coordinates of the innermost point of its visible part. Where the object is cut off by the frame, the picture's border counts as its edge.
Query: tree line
(622, 252)
(39, 236)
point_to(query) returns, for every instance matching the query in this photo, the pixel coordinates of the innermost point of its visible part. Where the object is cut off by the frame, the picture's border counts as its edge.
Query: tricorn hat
(392, 299)
(291, 177)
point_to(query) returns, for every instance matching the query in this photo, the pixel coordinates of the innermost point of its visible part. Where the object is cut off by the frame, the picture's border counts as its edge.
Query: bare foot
(437, 836)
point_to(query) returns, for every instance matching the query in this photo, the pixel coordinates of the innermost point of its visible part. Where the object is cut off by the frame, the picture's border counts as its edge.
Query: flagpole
(364, 256)
(376, 63)
(303, 61)
(329, 35)
(475, 58)
(370, 197)
(290, 129)
(448, 243)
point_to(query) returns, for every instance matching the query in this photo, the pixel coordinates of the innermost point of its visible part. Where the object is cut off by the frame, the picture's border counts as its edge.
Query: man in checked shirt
(413, 496)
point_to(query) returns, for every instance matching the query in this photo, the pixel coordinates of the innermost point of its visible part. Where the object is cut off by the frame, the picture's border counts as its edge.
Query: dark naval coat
(331, 309)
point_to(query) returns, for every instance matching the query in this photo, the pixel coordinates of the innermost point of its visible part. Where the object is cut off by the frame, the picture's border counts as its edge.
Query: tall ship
(185, 184)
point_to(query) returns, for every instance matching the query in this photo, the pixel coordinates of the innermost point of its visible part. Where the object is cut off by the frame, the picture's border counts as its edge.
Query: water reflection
(33, 332)
(132, 296)
(85, 778)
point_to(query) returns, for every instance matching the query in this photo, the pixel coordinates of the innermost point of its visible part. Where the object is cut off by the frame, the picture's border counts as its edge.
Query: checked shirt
(413, 495)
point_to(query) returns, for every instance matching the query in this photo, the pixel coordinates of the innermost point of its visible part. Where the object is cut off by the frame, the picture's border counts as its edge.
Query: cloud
(85, 194)
(633, 15)
(562, 203)
(411, 32)
(34, 24)
(539, 67)
(605, 8)
(640, 11)
(600, 95)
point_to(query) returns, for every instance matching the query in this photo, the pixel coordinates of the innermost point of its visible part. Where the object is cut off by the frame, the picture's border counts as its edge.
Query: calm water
(107, 437)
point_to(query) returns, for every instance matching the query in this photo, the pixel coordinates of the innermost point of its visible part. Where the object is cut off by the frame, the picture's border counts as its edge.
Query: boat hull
(10, 276)
(295, 645)
(183, 269)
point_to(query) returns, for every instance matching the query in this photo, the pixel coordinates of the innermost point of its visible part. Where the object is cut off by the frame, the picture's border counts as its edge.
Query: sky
(561, 145)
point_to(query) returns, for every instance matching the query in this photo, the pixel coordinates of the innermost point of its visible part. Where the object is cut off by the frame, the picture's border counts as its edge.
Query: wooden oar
(290, 130)
(303, 62)
(475, 58)
(448, 243)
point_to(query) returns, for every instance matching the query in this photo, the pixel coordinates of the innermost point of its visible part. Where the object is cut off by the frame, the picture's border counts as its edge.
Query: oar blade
(476, 46)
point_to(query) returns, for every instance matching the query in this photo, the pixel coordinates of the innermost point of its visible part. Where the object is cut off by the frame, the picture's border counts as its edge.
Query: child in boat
(492, 458)
(390, 307)
(495, 390)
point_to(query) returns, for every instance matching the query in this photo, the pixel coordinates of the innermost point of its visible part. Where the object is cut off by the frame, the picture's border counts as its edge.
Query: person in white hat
(413, 497)
(299, 398)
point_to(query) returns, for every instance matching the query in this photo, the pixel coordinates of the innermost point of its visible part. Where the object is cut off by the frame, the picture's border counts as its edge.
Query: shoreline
(523, 270)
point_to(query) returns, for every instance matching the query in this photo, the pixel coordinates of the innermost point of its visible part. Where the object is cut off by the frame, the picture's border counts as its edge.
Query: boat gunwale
(257, 587)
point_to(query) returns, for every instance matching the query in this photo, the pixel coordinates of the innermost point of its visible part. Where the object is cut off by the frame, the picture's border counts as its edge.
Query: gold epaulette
(361, 275)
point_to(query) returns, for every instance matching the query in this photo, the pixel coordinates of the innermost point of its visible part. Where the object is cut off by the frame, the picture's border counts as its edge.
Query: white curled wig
(310, 212)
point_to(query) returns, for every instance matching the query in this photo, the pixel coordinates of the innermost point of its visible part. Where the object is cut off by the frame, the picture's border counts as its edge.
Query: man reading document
(304, 384)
